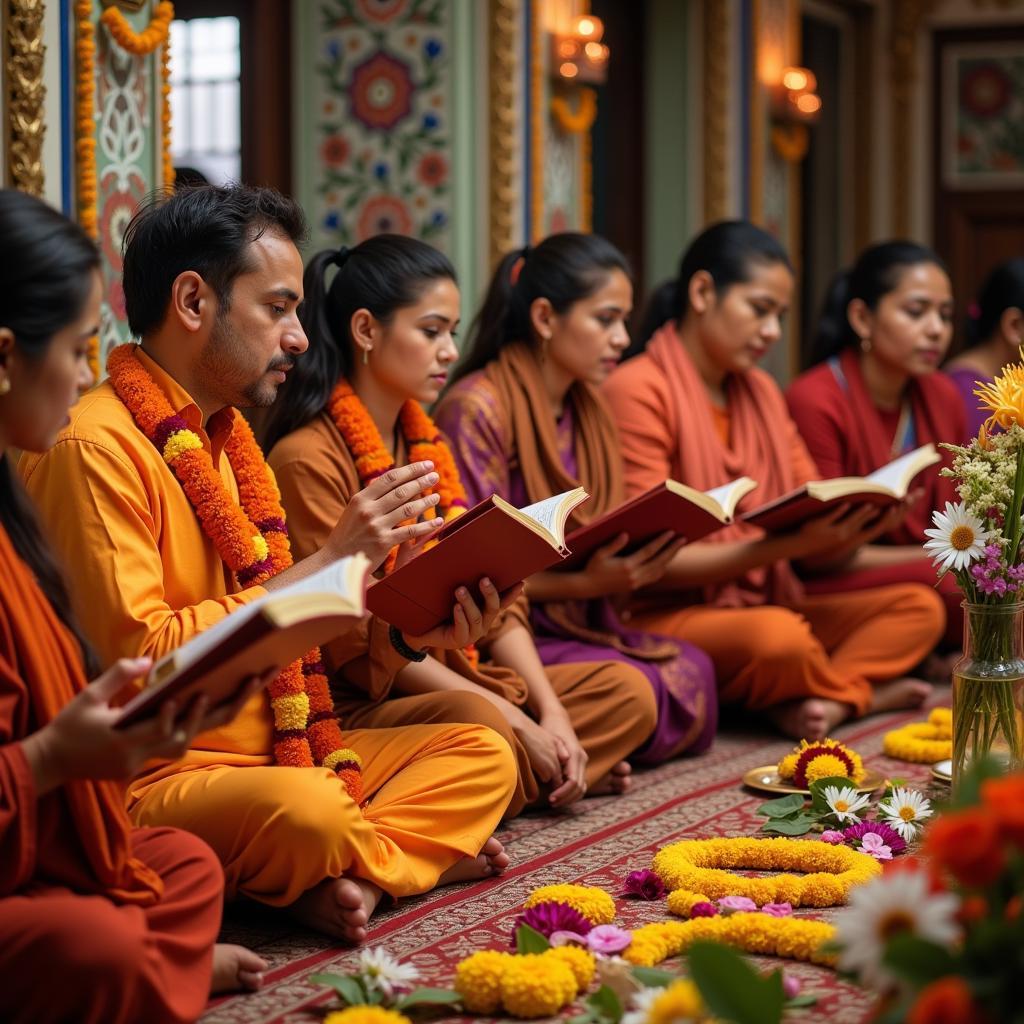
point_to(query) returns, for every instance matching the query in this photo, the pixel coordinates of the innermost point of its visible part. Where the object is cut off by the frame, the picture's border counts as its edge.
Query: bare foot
(491, 860)
(235, 969)
(338, 906)
(810, 719)
(900, 694)
(938, 668)
(618, 781)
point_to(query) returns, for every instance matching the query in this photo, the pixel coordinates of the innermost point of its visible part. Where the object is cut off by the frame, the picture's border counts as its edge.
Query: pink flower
(855, 834)
(790, 986)
(566, 938)
(736, 904)
(830, 835)
(644, 885)
(777, 909)
(872, 844)
(607, 938)
(703, 910)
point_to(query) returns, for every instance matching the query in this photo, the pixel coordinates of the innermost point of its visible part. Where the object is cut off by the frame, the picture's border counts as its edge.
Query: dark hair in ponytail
(1003, 289)
(384, 274)
(563, 269)
(46, 265)
(876, 273)
(727, 251)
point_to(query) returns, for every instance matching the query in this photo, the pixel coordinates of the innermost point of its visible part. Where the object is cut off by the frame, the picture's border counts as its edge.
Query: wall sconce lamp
(795, 105)
(579, 55)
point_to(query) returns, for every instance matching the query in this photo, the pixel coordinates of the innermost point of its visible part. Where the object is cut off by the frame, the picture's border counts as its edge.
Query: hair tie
(517, 267)
(338, 258)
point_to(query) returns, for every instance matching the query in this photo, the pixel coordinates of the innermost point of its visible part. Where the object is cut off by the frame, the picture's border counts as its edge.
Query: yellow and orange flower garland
(922, 742)
(821, 759)
(422, 441)
(253, 542)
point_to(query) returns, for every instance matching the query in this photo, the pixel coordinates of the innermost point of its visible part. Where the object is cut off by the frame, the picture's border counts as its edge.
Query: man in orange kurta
(149, 578)
(772, 645)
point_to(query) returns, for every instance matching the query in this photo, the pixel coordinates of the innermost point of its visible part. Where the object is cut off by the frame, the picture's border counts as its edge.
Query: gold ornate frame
(503, 133)
(716, 110)
(23, 94)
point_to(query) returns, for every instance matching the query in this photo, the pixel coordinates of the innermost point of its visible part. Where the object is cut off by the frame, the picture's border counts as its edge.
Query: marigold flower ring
(821, 759)
(922, 742)
(706, 866)
(593, 904)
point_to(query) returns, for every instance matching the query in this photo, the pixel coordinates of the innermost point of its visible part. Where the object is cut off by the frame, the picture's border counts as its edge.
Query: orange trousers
(436, 794)
(69, 957)
(832, 646)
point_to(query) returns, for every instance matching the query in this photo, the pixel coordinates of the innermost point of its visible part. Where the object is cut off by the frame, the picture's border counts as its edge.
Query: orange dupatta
(49, 661)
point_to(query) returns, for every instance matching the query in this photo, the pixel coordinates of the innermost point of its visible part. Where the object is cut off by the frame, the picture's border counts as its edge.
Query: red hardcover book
(493, 539)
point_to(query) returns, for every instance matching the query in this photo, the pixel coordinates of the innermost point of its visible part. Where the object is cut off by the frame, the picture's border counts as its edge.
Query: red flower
(335, 150)
(968, 845)
(381, 92)
(946, 1001)
(384, 215)
(1004, 799)
(118, 211)
(985, 90)
(381, 11)
(433, 169)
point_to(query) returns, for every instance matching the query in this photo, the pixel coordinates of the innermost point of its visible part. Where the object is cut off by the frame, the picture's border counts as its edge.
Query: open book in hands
(885, 487)
(266, 634)
(493, 539)
(668, 507)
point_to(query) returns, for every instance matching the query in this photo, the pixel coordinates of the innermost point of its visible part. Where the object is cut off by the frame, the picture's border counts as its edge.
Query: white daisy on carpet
(381, 971)
(905, 811)
(895, 904)
(844, 802)
(957, 540)
(640, 1004)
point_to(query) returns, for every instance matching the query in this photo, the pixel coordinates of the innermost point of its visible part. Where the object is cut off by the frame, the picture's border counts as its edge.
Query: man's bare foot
(236, 969)
(618, 781)
(900, 694)
(810, 719)
(338, 906)
(490, 861)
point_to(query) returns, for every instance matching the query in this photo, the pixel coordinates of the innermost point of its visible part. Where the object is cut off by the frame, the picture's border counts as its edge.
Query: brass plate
(943, 771)
(766, 779)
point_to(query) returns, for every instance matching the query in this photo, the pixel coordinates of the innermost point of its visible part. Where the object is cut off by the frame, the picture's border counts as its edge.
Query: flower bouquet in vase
(979, 540)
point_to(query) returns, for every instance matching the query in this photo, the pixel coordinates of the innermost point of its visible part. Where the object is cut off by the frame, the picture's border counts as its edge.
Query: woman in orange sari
(693, 406)
(876, 393)
(380, 344)
(124, 918)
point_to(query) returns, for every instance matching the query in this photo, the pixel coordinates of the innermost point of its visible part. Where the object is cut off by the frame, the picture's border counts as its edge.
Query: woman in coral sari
(693, 406)
(525, 421)
(380, 343)
(875, 394)
(125, 919)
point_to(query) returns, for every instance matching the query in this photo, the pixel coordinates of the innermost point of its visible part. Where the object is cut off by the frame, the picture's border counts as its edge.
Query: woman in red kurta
(876, 394)
(125, 919)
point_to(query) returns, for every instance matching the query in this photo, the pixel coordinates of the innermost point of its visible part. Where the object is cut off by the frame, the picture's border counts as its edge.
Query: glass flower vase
(988, 689)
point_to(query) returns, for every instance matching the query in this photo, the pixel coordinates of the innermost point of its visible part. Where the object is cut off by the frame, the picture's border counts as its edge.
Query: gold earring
(5, 386)
(366, 357)
(865, 345)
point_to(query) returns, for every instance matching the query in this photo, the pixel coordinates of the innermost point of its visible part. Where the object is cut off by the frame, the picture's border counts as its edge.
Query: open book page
(340, 577)
(898, 475)
(552, 513)
(729, 495)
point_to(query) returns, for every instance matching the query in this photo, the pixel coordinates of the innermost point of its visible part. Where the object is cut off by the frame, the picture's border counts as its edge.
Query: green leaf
(530, 941)
(781, 808)
(804, 999)
(786, 827)
(968, 791)
(347, 987)
(427, 997)
(731, 988)
(652, 977)
(917, 960)
(606, 1004)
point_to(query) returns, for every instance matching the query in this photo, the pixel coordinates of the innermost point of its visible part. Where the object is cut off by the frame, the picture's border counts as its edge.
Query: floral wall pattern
(379, 108)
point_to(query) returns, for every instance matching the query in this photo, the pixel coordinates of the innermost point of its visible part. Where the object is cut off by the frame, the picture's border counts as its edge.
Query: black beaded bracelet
(399, 644)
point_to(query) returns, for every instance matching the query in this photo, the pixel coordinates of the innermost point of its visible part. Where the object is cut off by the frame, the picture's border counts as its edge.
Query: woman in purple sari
(525, 421)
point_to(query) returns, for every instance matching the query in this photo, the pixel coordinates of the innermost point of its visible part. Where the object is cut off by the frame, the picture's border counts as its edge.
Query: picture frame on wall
(983, 115)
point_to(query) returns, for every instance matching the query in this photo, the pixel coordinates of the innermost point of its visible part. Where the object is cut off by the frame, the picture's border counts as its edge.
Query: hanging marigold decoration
(582, 119)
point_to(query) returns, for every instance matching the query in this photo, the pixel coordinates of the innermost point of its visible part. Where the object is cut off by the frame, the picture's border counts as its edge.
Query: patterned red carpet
(598, 843)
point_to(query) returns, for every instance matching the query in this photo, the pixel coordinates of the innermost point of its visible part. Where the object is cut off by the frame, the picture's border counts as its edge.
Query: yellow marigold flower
(788, 765)
(681, 901)
(941, 717)
(594, 904)
(335, 757)
(291, 711)
(824, 767)
(366, 1015)
(1004, 397)
(259, 545)
(580, 961)
(478, 980)
(680, 1001)
(180, 441)
(536, 985)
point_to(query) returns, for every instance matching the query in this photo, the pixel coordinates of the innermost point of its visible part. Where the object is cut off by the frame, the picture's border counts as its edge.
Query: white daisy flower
(641, 1003)
(905, 811)
(895, 904)
(381, 971)
(958, 539)
(844, 802)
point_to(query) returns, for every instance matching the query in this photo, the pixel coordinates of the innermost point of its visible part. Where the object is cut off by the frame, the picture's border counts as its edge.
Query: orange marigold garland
(253, 542)
(423, 442)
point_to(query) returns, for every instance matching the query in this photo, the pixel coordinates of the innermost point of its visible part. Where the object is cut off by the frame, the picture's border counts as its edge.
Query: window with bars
(206, 114)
